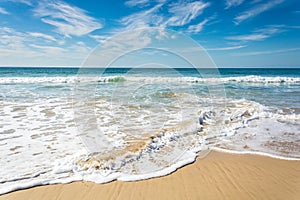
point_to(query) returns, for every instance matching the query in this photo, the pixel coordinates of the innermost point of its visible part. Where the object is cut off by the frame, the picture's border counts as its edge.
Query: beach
(217, 176)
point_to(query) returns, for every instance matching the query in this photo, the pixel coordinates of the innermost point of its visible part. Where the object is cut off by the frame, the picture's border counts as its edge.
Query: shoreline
(254, 153)
(218, 175)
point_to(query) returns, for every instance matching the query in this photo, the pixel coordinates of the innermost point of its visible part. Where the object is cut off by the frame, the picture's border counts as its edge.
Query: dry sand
(218, 176)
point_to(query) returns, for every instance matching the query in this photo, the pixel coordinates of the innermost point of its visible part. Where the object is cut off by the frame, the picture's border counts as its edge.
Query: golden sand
(218, 176)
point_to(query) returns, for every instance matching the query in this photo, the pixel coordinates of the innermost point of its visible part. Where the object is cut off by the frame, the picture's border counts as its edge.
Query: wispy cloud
(3, 11)
(197, 28)
(27, 2)
(255, 53)
(132, 3)
(226, 48)
(142, 3)
(19, 49)
(49, 49)
(143, 18)
(250, 37)
(258, 35)
(183, 12)
(165, 15)
(233, 3)
(99, 38)
(11, 39)
(68, 20)
(42, 35)
(256, 10)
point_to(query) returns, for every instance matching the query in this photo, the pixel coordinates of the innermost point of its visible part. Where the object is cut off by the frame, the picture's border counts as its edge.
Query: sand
(217, 176)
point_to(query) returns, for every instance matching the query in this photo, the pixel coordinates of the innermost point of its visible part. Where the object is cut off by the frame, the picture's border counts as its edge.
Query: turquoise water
(225, 72)
(283, 94)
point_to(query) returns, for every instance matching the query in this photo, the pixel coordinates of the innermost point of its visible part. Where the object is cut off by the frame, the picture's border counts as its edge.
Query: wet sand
(217, 176)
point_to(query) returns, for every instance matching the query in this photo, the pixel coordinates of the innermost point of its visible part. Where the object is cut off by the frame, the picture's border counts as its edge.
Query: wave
(241, 79)
(244, 126)
(183, 79)
(259, 79)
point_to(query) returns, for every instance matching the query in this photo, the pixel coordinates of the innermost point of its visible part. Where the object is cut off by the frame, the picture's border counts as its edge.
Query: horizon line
(126, 67)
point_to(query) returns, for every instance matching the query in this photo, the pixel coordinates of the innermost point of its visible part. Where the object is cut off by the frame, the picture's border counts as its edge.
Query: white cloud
(251, 37)
(255, 53)
(3, 11)
(135, 39)
(197, 28)
(27, 2)
(258, 35)
(233, 3)
(11, 39)
(68, 20)
(13, 48)
(49, 49)
(80, 49)
(14, 40)
(143, 18)
(183, 12)
(226, 48)
(43, 36)
(99, 38)
(141, 3)
(165, 15)
(132, 3)
(6, 30)
(23, 49)
(256, 10)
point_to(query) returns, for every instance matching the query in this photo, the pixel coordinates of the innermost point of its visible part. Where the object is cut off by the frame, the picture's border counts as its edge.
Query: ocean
(59, 125)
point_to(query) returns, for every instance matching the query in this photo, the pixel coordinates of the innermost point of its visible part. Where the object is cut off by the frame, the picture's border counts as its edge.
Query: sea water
(59, 125)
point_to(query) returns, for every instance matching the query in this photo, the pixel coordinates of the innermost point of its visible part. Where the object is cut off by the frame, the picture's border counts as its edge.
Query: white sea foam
(253, 153)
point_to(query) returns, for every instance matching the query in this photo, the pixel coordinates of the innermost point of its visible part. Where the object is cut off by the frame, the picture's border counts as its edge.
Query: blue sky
(236, 33)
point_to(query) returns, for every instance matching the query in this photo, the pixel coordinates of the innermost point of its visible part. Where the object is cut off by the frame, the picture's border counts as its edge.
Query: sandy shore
(218, 176)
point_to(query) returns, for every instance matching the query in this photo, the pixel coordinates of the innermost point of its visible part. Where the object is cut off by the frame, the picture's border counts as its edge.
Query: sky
(235, 33)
